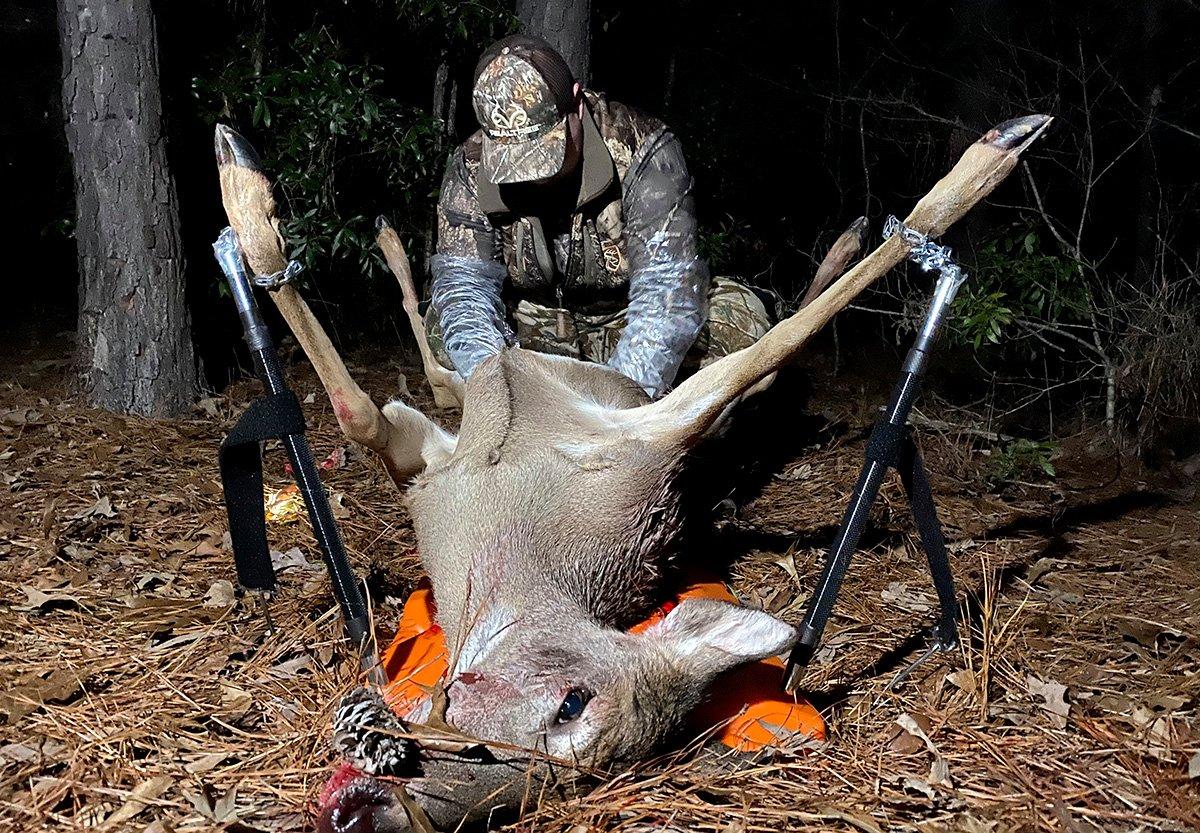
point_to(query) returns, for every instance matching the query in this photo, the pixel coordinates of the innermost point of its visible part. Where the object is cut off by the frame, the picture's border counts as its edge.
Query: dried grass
(132, 704)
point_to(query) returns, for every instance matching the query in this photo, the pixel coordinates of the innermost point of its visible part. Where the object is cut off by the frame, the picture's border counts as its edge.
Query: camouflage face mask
(524, 133)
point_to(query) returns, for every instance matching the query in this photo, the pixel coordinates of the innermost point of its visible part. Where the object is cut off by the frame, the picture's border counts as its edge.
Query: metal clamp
(924, 252)
(275, 280)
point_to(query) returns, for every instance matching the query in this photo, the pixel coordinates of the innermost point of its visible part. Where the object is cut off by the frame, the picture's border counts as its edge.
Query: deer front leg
(403, 438)
(447, 385)
(840, 255)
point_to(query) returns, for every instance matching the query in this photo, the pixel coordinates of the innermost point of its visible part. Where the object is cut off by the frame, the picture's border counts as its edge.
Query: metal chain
(277, 279)
(924, 252)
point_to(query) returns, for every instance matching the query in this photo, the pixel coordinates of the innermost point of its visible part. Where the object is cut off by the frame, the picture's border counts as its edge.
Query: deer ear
(706, 636)
(417, 443)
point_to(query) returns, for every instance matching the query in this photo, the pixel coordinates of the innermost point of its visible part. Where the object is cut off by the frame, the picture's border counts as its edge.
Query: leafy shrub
(1014, 281)
(1022, 458)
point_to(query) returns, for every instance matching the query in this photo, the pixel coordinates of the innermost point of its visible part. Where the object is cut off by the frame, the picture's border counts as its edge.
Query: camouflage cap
(523, 93)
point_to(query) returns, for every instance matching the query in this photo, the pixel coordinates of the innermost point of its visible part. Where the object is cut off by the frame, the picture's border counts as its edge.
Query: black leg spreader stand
(278, 416)
(891, 446)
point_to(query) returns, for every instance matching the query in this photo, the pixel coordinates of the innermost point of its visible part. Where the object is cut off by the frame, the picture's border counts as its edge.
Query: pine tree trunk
(134, 339)
(567, 25)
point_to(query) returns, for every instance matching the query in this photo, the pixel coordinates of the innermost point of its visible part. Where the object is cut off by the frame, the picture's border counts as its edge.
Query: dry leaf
(800, 472)
(293, 558)
(284, 505)
(917, 785)
(788, 565)
(235, 702)
(897, 593)
(60, 686)
(1167, 702)
(1053, 699)
(1194, 766)
(907, 743)
(1038, 569)
(148, 581)
(1156, 732)
(292, 667)
(967, 823)
(939, 770)
(205, 763)
(224, 809)
(1144, 632)
(207, 548)
(210, 406)
(831, 645)
(20, 416)
(220, 594)
(41, 602)
(141, 796)
(964, 679)
(17, 752)
(102, 508)
(337, 505)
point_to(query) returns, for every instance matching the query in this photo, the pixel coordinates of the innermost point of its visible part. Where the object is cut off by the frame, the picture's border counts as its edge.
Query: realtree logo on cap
(513, 101)
(523, 121)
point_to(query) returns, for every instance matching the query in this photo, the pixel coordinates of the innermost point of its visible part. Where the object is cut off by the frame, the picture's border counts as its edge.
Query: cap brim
(504, 161)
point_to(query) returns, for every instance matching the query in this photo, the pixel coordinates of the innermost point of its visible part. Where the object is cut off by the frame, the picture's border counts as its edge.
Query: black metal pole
(837, 561)
(266, 362)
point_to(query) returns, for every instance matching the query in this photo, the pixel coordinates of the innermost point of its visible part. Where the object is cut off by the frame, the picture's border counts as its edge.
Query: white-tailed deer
(545, 526)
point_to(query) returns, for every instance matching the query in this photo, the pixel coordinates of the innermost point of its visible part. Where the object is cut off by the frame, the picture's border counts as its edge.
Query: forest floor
(140, 692)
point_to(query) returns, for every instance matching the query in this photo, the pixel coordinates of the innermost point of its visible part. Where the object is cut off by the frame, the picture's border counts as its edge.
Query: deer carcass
(545, 526)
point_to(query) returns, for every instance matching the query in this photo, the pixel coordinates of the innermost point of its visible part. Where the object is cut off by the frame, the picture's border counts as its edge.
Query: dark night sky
(795, 117)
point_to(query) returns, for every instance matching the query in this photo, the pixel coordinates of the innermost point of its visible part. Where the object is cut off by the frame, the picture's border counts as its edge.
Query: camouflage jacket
(629, 241)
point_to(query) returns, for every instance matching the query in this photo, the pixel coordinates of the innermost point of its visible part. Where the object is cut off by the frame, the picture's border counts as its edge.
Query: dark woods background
(1083, 302)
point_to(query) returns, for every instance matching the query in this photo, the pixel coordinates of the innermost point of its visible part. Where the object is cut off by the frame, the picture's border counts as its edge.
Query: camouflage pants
(736, 319)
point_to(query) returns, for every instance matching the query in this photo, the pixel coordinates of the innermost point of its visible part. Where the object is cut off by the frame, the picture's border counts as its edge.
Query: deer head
(546, 525)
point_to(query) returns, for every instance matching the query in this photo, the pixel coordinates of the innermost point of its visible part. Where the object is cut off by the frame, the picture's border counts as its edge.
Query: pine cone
(369, 735)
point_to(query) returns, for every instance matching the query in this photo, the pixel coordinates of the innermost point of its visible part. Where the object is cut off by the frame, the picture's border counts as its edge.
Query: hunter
(572, 217)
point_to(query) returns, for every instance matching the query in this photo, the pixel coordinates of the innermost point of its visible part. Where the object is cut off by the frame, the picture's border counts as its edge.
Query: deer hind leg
(404, 439)
(842, 253)
(447, 384)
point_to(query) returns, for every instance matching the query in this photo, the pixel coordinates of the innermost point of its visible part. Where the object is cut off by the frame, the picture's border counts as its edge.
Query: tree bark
(134, 338)
(567, 25)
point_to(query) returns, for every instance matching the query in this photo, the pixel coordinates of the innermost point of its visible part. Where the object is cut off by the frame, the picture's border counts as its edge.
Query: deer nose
(365, 806)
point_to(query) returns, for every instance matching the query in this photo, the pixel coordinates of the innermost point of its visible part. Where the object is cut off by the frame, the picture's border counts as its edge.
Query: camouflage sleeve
(668, 282)
(468, 276)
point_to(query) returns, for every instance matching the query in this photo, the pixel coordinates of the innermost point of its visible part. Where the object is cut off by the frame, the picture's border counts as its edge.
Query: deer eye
(572, 705)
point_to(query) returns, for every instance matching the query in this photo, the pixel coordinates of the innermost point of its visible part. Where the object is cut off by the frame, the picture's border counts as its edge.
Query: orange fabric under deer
(747, 709)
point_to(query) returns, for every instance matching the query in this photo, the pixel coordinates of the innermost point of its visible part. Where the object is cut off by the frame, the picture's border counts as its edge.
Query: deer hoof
(1015, 132)
(232, 149)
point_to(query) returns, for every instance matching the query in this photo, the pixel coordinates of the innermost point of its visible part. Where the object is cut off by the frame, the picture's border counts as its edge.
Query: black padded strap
(924, 512)
(266, 418)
